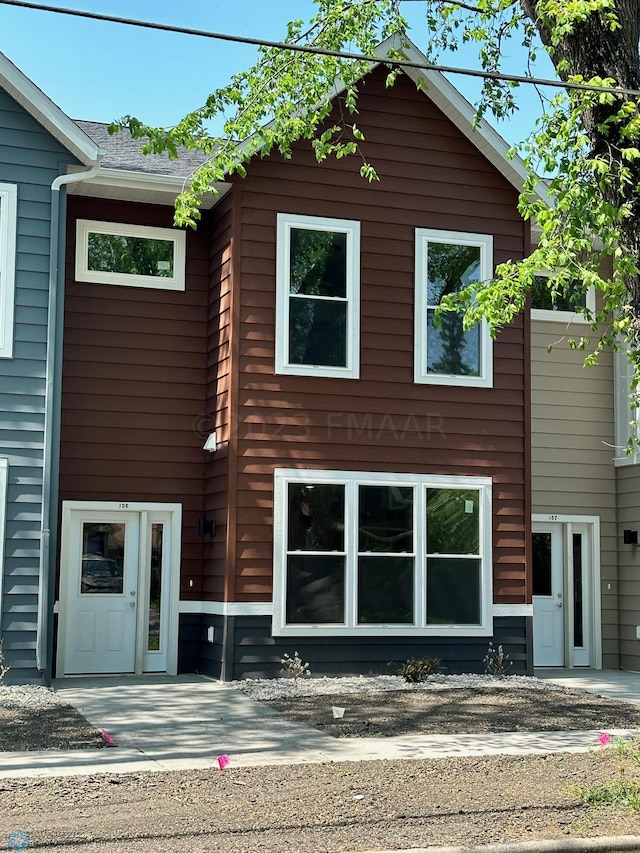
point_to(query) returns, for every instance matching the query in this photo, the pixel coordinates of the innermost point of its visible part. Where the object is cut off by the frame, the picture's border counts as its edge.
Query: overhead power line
(303, 48)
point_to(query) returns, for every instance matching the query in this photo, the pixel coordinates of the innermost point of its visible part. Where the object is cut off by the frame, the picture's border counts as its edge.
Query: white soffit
(46, 113)
(151, 188)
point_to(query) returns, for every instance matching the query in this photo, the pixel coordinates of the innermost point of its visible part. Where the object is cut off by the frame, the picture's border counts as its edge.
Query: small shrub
(295, 666)
(416, 670)
(496, 662)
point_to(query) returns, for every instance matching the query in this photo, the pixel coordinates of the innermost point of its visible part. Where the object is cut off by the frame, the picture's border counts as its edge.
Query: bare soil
(459, 711)
(340, 807)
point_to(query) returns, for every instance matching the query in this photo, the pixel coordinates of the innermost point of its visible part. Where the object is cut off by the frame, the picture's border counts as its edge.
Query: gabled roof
(125, 173)
(46, 113)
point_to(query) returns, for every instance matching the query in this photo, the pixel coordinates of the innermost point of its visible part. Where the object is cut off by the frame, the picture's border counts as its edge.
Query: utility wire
(301, 48)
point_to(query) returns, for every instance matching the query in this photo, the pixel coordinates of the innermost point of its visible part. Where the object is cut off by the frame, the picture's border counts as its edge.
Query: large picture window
(130, 255)
(8, 228)
(317, 296)
(361, 553)
(446, 354)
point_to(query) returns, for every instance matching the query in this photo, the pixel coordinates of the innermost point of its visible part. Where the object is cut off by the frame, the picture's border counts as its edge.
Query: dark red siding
(431, 176)
(134, 388)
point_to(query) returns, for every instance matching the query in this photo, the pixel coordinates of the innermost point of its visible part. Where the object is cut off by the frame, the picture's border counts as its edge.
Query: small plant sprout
(496, 662)
(295, 666)
(3, 669)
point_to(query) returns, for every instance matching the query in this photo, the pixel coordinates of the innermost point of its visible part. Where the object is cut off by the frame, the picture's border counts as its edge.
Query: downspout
(53, 394)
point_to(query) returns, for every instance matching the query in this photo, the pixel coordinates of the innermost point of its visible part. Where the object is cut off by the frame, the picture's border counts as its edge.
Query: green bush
(416, 670)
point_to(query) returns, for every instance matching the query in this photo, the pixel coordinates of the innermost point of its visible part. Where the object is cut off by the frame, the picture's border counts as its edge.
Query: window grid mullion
(351, 564)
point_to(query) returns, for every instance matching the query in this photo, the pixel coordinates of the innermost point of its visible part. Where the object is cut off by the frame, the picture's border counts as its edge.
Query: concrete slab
(186, 722)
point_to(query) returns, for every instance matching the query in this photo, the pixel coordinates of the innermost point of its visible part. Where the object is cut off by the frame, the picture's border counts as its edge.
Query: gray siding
(30, 158)
(629, 566)
(572, 438)
(252, 652)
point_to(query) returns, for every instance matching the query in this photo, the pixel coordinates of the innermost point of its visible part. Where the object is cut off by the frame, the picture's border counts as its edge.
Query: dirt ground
(340, 807)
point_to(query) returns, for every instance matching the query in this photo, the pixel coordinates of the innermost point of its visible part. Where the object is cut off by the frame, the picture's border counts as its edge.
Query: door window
(102, 559)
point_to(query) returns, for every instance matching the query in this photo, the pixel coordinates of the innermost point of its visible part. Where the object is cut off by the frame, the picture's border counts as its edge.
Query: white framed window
(130, 255)
(626, 416)
(317, 296)
(365, 553)
(446, 262)
(559, 307)
(8, 229)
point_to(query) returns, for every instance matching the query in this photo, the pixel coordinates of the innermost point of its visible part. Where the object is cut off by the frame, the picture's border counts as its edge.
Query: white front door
(117, 582)
(548, 596)
(564, 593)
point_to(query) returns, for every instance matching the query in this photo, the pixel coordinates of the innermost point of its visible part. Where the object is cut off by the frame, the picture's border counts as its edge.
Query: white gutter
(53, 393)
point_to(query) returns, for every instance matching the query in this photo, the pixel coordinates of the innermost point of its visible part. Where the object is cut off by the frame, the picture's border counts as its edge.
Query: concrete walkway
(164, 723)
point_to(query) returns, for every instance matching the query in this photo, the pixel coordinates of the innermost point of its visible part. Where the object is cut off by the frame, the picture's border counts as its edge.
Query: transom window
(8, 228)
(357, 552)
(446, 262)
(318, 291)
(130, 255)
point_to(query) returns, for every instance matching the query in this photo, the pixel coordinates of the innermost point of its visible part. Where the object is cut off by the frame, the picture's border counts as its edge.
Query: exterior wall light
(211, 444)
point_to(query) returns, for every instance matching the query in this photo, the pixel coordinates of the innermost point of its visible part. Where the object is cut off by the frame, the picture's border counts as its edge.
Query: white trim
(351, 480)
(287, 221)
(592, 521)
(4, 485)
(512, 610)
(424, 236)
(84, 227)
(141, 186)
(142, 508)
(8, 231)
(226, 608)
(627, 419)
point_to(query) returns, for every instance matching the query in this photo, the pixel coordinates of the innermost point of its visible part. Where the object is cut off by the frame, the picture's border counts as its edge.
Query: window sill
(383, 630)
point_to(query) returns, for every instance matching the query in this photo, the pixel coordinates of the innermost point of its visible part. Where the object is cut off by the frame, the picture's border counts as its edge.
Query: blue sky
(101, 71)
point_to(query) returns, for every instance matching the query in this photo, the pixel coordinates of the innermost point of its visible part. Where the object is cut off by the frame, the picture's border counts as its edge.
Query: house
(261, 443)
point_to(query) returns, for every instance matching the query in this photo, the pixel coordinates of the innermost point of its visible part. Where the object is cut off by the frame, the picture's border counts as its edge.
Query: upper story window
(562, 307)
(446, 354)
(318, 296)
(8, 229)
(626, 415)
(357, 552)
(130, 255)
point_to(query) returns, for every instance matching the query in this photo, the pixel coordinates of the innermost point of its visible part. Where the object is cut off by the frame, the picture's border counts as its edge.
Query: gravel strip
(287, 688)
(33, 696)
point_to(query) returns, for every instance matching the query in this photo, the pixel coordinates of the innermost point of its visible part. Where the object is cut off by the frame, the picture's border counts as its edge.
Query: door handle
(133, 604)
(558, 605)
